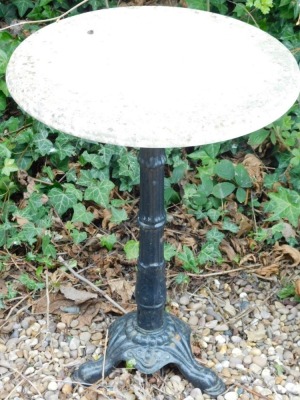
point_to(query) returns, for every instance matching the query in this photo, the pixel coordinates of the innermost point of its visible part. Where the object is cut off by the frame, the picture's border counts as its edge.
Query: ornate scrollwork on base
(151, 350)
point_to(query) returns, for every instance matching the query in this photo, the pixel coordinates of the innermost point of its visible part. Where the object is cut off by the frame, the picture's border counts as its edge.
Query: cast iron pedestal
(150, 337)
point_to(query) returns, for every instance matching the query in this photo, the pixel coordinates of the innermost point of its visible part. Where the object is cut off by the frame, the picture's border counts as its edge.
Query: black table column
(151, 286)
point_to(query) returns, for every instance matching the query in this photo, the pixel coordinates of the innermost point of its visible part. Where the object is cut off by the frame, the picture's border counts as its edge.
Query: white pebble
(184, 300)
(231, 396)
(74, 343)
(52, 386)
(280, 389)
(236, 352)
(292, 388)
(220, 339)
(29, 371)
(256, 369)
(85, 336)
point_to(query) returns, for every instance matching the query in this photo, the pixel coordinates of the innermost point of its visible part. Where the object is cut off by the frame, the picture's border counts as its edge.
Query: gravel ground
(240, 330)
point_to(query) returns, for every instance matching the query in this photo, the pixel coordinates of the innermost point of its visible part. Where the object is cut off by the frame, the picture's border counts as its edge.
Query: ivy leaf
(85, 178)
(284, 204)
(209, 253)
(258, 137)
(108, 241)
(99, 192)
(3, 102)
(109, 150)
(3, 61)
(47, 247)
(131, 249)
(230, 226)
(71, 189)
(77, 236)
(44, 146)
(225, 169)
(242, 177)
(9, 166)
(213, 214)
(64, 150)
(223, 189)
(81, 214)
(118, 215)
(29, 233)
(4, 151)
(3, 87)
(215, 235)
(93, 159)
(61, 201)
(190, 263)
(23, 6)
(212, 149)
(129, 166)
(169, 251)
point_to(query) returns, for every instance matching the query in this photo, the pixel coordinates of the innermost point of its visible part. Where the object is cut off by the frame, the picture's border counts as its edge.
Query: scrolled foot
(150, 351)
(91, 371)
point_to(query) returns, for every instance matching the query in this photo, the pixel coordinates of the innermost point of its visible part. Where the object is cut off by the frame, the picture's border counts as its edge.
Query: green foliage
(208, 254)
(287, 291)
(284, 204)
(30, 283)
(43, 9)
(169, 251)
(263, 5)
(131, 249)
(108, 241)
(130, 364)
(219, 179)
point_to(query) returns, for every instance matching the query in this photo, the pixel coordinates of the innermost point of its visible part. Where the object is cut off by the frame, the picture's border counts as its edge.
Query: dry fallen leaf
(56, 303)
(288, 231)
(289, 251)
(248, 258)
(123, 288)
(3, 287)
(268, 270)
(257, 335)
(78, 296)
(254, 167)
(297, 287)
(227, 248)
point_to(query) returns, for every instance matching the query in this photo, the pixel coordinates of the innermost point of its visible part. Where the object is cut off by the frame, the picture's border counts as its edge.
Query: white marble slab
(153, 77)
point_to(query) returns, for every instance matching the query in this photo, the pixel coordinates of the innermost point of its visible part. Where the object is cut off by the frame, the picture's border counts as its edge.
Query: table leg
(150, 337)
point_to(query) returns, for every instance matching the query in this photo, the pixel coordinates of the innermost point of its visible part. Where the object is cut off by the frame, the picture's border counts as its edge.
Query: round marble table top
(153, 77)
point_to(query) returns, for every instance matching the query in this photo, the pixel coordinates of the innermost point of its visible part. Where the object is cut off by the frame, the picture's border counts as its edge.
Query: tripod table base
(149, 351)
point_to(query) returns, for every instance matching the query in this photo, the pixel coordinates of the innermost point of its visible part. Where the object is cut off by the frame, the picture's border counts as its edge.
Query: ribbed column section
(151, 285)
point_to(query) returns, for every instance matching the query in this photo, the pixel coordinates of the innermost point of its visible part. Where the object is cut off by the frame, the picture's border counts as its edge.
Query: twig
(248, 12)
(20, 129)
(41, 21)
(94, 287)
(249, 268)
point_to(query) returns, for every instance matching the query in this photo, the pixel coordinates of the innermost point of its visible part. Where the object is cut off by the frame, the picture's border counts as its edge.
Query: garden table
(153, 77)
